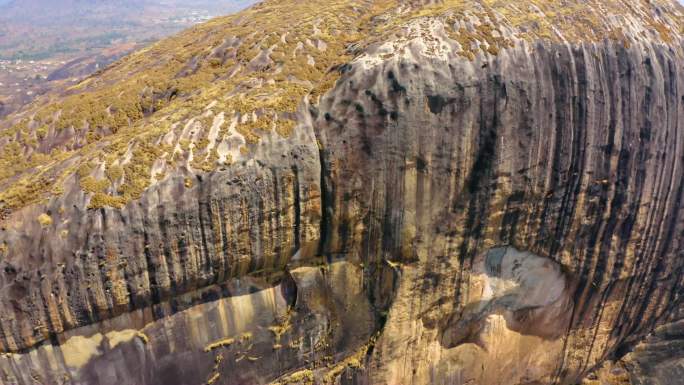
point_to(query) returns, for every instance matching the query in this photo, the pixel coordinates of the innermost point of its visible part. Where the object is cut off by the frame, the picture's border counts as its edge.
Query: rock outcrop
(454, 193)
(656, 360)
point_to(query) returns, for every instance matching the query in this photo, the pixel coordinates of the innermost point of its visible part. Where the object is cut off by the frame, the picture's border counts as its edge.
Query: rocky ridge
(378, 192)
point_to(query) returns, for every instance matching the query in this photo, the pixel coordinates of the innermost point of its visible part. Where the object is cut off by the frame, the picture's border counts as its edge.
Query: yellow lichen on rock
(118, 337)
(78, 350)
(143, 337)
(92, 185)
(275, 59)
(187, 182)
(282, 327)
(219, 344)
(45, 220)
(214, 377)
(100, 200)
(353, 361)
(304, 377)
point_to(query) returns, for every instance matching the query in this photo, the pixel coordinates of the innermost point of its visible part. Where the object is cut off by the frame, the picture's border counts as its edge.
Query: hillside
(50, 45)
(173, 81)
(48, 29)
(355, 191)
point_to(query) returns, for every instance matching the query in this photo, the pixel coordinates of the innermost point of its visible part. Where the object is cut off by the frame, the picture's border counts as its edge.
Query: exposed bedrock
(574, 153)
(510, 220)
(656, 360)
(186, 233)
(256, 332)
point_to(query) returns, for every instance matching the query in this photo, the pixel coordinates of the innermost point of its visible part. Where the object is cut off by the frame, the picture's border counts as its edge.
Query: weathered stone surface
(572, 152)
(441, 215)
(179, 237)
(657, 360)
(250, 335)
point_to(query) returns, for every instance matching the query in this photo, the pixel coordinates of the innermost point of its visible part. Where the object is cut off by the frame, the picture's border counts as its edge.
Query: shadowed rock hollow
(356, 192)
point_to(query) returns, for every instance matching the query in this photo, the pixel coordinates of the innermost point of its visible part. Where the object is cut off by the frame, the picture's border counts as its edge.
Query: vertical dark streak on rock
(669, 217)
(580, 144)
(585, 284)
(326, 202)
(477, 187)
(259, 251)
(676, 292)
(137, 300)
(205, 223)
(277, 210)
(556, 88)
(626, 231)
(167, 238)
(150, 261)
(90, 312)
(103, 266)
(297, 209)
(645, 258)
(225, 271)
(51, 325)
(622, 181)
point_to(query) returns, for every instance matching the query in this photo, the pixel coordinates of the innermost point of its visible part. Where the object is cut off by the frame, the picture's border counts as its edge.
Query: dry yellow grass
(262, 62)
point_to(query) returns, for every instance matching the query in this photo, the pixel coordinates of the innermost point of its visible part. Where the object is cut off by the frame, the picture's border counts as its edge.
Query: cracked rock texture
(656, 360)
(486, 208)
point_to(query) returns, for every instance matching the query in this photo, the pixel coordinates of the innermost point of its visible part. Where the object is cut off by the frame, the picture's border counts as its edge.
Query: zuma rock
(357, 192)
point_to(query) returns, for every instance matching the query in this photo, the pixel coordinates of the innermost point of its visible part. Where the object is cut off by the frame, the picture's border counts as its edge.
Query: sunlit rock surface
(475, 193)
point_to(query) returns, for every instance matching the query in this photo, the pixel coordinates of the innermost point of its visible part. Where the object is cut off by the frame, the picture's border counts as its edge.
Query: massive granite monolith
(454, 193)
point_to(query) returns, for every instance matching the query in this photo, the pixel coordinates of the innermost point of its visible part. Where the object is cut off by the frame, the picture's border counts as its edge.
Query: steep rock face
(182, 235)
(447, 213)
(572, 152)
(251, 335)
(658, 360)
